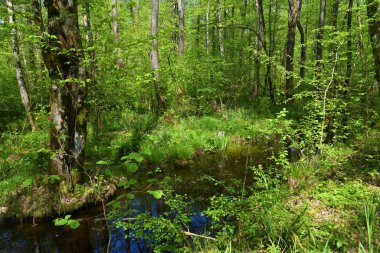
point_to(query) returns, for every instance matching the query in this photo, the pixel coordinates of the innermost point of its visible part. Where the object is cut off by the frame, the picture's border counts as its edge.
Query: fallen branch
(202, 236)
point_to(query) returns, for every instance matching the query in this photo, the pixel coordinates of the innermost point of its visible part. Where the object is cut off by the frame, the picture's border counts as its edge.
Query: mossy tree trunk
(63, 57)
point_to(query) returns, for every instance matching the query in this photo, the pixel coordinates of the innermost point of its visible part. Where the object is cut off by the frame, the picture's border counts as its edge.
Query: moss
(40, 200)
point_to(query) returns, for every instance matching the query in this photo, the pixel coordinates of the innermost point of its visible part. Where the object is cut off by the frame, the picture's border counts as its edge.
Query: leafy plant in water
(67, 221)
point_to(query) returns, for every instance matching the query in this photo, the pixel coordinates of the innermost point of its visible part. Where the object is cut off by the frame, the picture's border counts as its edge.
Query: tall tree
(116, 32)
(319, 37)
(373, 9)
(220, 30)
(25, 96)
(261, 44)
(68, 90)
(293, 17)
(303, 45)
(270, 49)
(181, 35)
(161, 103)
(349, 47)
(92, 70)
(208, 27)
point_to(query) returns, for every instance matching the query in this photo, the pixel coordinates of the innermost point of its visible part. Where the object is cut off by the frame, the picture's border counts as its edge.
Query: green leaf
(67, 216)
(60, 222)
(122, 183)
(27, 182)
(157, 194)
(132, 167)
(133, 156)
(101, 162)
(151, 180)
(132, 181)
(74, 224)
(108, 172)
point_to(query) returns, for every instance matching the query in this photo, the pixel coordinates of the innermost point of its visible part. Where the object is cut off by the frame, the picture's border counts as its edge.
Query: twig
(196, 235)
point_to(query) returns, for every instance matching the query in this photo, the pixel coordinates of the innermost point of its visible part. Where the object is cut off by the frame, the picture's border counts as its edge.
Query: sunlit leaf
(60, 222)
(157, 194)
(74, 224)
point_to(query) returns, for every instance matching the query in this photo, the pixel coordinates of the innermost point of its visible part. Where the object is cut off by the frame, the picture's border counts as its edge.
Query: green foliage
(72, 223)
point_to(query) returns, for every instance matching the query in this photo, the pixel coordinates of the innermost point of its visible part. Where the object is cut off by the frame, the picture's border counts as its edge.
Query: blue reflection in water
(91, 236)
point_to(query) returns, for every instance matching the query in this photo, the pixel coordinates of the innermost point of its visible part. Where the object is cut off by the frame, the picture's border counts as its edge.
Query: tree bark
(349, 48)
(25, 97)
(115, 26)
(220, 30)
(373, 9)
(92, 70)
(268, 75)
(181, 35)
(161, 103)
(293, 17)
(63, 58)
(319, 38)
(261, 44)
(303, 49)
(208, 27)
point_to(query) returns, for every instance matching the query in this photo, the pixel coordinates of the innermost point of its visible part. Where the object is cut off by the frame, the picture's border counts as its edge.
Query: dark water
(95, 234)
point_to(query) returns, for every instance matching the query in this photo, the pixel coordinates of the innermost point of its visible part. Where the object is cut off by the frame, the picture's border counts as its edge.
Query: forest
(189, 126)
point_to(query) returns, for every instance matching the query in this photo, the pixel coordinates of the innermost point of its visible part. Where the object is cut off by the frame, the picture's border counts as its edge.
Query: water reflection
(96, 235)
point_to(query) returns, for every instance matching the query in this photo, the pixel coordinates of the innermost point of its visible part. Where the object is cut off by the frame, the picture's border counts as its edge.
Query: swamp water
(95, 234)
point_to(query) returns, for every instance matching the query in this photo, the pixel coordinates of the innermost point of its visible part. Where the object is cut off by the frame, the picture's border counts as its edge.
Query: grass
(179, 139)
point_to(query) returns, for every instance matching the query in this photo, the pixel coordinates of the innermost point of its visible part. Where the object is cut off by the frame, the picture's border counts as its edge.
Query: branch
(196, 235)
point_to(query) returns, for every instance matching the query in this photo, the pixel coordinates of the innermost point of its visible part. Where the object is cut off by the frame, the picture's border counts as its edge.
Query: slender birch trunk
(208, 27)
(25, 96)
(181, 35)
(161, 103)
(115, 27)
(220, 30)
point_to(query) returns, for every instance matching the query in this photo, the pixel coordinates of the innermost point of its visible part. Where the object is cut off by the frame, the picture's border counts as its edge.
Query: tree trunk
(293, 17)
(181, 35)
(268, 74)
(161, 103)
(220, 30)
(25, 97)
(303, 49)
(63, 58)
(349, 48)
(319, 38)
(261, 44)
(208, 27)
(115, 26)
(373, 9)
(92, 70)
